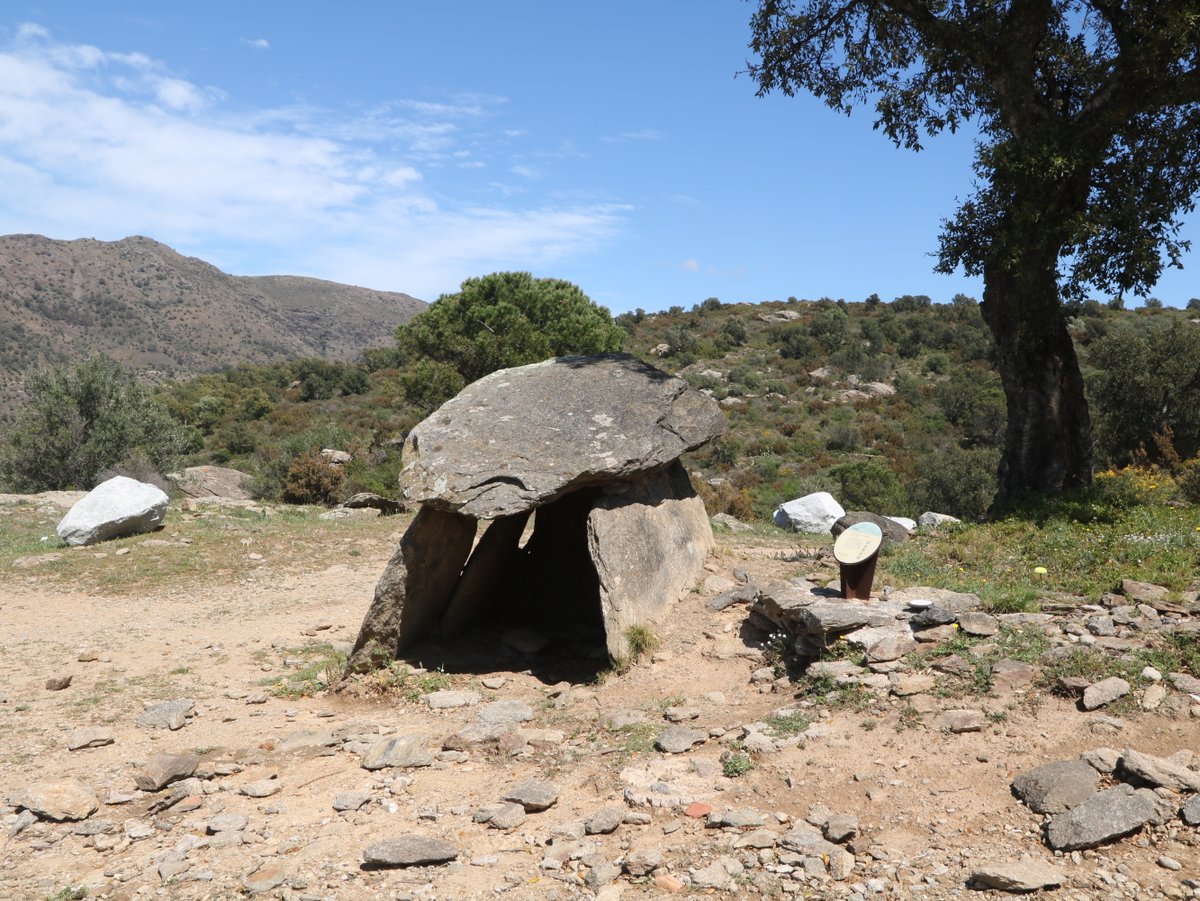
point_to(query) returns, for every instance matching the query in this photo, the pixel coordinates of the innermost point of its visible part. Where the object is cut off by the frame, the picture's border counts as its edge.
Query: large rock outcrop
(589, 448)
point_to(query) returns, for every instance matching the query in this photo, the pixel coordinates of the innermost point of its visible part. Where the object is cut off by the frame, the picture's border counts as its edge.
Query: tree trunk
(1048, 445)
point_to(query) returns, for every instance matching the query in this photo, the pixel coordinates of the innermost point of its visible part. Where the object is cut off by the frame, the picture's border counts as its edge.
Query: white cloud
(691, 265)
(646, 134)
(99, 144)
(529, 172)
(257, 43)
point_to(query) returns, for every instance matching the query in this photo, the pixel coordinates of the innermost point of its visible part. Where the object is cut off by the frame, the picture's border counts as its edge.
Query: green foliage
(641, 641)
(428, 384)
(735, 764)
(508, 319)
(82, 420)
(311, 479)
(958, 481)
(870, 486)
(1146, 383)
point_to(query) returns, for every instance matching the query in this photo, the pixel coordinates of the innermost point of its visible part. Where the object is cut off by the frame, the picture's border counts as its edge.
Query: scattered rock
(69, 799)
(400, 751)
(352, 800)
(445, 700)
(266, 878)
(171, 715)
(1026, 875)
(1056, 787)
(90, 737)
(263, 788)
(162, 769)
(678, 739)
(1104, 692)
(1103, 817)
(412, 850)
(533, 794)
(1158, 771)
(604, 821)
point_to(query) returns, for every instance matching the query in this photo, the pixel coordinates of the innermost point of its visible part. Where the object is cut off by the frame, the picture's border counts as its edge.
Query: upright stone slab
(415, 587)
(478, 587)
(648, 543)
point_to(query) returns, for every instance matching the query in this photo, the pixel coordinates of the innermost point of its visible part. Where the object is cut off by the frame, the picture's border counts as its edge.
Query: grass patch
(323, 667)
(70, 893)
(783, 725)
(836, 695)
(637, 738)
(1083, 554)
(1179, 653)
(1090, 664)
(641, 641)
(735, 764)
(213, 547)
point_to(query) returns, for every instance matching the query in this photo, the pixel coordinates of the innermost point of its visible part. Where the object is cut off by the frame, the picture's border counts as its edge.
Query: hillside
(150, 308)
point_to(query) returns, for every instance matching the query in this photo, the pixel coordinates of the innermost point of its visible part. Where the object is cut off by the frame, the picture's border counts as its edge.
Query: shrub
(961, 482)
(311, 479)
(82, 420)
(869, 486)
(1189, 480)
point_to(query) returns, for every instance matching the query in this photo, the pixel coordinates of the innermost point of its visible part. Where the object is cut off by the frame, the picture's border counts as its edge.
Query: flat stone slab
(500, 712)
(1057, 787)
(533, 794)
(90, 737)
(520, 438)
(162, 769)
(409, 851)
(678, 739)
(446, 700)
(1104, 692)
(1104, 816)
(1158, 771)
(1025, 875)
(400, 751)
(69, 799)
(171, 715)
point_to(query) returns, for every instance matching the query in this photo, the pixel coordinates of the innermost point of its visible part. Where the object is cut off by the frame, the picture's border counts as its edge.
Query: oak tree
(1088, 114)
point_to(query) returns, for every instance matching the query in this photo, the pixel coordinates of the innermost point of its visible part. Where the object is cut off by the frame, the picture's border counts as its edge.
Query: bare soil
(931, 806)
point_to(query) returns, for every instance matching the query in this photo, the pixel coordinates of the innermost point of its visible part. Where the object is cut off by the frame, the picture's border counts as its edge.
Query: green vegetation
(323, 667)
(87, 422)
(735, 764)
(641, 641)
(507, 319)
(1081, 179)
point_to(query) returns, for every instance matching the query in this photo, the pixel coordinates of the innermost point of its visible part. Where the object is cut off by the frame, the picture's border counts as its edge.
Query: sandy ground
(930, 805)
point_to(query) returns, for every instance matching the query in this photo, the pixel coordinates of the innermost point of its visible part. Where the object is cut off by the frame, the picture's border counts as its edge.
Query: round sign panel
(857, 543)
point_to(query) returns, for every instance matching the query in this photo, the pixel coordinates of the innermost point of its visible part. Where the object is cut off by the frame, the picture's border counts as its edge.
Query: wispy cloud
(691, 265)
(101, 144)
(257, 43)
(646, 134)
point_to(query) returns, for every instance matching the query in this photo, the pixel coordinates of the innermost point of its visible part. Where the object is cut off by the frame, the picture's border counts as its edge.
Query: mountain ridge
(154, 309)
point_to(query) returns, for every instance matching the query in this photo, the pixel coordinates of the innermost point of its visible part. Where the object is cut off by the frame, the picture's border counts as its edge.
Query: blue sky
(408, 145)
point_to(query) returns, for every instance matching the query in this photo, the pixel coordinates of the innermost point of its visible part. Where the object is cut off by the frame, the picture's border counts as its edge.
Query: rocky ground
(147, 749)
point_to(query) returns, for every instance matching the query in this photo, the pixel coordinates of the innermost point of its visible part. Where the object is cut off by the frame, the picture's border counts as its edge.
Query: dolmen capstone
(587, 446)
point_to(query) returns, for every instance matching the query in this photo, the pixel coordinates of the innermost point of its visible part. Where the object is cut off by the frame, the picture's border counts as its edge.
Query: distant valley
(152, 309)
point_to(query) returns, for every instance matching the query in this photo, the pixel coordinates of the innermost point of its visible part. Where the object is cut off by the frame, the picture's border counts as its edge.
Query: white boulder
(811, 513)
(113, 509)
(931, 520)
(904, 522)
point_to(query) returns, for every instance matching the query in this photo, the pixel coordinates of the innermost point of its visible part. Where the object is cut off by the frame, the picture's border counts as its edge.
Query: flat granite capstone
(509, 442)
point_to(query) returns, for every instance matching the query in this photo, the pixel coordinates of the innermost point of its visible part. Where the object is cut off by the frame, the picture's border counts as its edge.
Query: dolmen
(588, 447)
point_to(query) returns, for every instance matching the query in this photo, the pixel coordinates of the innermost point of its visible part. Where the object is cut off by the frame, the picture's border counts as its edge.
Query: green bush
(508, 319)
(311, 479)
(958, 481)
(869, 486)
(84, 419)
(1189, 480)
